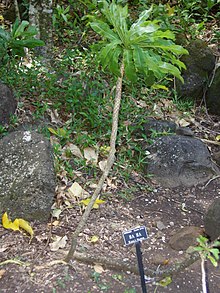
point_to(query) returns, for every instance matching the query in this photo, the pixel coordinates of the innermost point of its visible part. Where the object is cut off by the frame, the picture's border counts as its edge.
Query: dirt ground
(147, 206)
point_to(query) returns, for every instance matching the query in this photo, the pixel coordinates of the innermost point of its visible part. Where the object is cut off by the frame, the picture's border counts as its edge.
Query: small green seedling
(207, 251)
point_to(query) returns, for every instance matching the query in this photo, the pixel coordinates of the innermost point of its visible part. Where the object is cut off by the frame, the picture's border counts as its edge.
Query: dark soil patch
(108, 222)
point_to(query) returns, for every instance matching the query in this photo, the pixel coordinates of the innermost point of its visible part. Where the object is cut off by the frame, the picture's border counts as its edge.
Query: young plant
(141, 49)
(210, 252)
(14, 43)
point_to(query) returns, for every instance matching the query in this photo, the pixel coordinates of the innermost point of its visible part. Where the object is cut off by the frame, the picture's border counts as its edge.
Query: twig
(210, 180)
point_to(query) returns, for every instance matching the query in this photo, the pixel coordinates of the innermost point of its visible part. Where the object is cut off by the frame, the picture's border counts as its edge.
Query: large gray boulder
(8, 103)
(177, 160)
(27, 177)
(199, 63)
(213, 95)
(212, 220)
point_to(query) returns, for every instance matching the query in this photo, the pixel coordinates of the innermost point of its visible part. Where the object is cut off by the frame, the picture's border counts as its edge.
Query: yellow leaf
(94, 239)
(85, 202)
(52, 130)
(7, 223)
(217, 137)
(170, 10)
(165, 282)
(16, 225)
(160, 87)
(26, 226)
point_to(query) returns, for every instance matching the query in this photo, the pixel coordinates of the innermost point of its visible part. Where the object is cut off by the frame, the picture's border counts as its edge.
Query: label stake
(140, 266)
(135, 236)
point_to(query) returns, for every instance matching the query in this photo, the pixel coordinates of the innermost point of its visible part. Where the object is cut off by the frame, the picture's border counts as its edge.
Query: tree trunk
(40, 15)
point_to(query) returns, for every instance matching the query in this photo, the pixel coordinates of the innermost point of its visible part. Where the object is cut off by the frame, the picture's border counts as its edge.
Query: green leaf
(143, 17)
(217, 243)
(164, 34)
(114, 62)
(30, 43)
(152, 61)
(24, 24)
(117, 16)
(213, 261)
(165, 45)
(4, 35)
(29, 32)
(170, 69)
(130, 71)
(53, 131)
(107, 53)
(215, 252)
(198, 248)
(104, 30)
(15, 26)
(160, 86)
(139, 59)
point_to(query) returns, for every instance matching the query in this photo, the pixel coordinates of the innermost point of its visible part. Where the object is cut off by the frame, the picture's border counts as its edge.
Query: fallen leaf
(56, 223)
(165, 282)
(91, 155)
(102, 165)
(183, 123)
(74, 150)
(217, 138)
(26, 226)
(8, 224)
(76, 190)
(56, 213)
(2, 249)
(60, 242)
(18, 224)
(110, 184)
(93, 185)
(2, 272)
(98, 268)
(85, 202)
(93, 239)
(54, 116)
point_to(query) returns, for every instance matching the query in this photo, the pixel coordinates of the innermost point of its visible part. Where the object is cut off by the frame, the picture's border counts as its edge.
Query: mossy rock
(213, 95)
(200, 62)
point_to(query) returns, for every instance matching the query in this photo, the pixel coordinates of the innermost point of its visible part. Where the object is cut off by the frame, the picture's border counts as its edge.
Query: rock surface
(8, 103)
(27, 177)
(213, 95)
(212, 220)
(199, 63)
(185, 237)
(158, 126)
(177, 160)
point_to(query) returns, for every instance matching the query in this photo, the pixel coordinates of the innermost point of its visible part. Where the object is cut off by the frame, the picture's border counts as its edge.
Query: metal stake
(140, 266)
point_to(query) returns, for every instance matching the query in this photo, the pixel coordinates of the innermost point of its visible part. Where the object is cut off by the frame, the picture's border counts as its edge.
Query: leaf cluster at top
(143, 47)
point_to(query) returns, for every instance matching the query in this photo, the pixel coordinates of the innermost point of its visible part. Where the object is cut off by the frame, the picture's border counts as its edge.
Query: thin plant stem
(110, 162)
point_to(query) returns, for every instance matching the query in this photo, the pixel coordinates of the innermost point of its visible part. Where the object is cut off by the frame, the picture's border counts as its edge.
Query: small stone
(160, 225)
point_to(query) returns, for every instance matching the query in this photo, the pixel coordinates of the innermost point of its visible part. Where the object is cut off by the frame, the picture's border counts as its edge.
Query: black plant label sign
(135, 235)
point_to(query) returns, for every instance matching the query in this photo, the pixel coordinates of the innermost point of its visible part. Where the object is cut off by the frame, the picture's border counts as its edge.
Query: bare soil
(149, 204)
